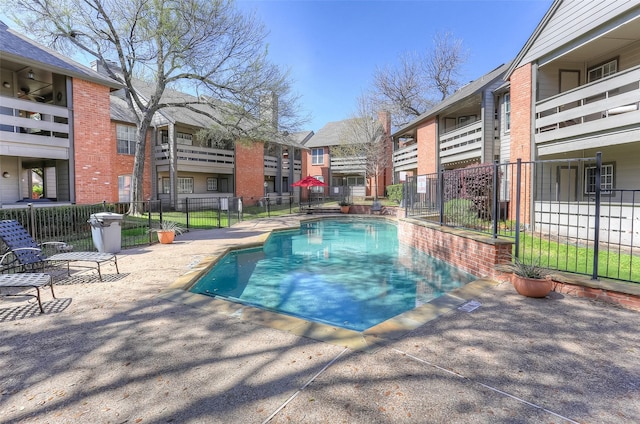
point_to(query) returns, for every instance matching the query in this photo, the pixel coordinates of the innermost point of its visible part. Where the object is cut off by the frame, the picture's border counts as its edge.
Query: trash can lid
(107, 215)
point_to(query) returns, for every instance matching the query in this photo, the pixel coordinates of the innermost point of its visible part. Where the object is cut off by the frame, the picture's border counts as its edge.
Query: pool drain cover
(470, 306)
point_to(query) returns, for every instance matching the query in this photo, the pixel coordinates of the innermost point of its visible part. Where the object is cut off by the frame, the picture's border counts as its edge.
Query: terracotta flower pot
(345, 209)
(531, 287)
(166, 237)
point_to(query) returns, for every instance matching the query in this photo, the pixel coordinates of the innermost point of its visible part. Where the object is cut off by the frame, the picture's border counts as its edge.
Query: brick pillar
(94, 145)
(427, 147)
(521, 137)
(250, 172)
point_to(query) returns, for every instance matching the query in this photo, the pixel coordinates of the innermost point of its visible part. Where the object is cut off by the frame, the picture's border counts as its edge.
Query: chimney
(101, 67)
(269, 109)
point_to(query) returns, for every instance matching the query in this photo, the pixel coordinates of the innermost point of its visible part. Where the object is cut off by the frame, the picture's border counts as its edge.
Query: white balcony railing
(603, 105)
(348, 164)
(28, 127)
(196, 155)
(462, 143)
(406, 158)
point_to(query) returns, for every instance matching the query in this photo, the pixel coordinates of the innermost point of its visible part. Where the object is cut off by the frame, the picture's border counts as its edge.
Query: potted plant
(530, 279)
(344, 206)
(167, 231)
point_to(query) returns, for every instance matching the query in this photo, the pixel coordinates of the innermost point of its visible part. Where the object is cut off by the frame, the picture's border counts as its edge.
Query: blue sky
(333, 47)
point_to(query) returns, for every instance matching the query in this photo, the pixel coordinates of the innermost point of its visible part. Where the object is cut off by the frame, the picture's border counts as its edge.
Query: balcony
(196, 159)
(352, 164)
(406, 159)
(33, 129)
(271, 166)
(596, 114)
(462, 143)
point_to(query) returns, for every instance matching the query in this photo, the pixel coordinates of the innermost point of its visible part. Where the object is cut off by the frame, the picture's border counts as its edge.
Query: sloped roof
(18, 48)
(301, 137)
(120, 110)
(329, 135)
(468, 90)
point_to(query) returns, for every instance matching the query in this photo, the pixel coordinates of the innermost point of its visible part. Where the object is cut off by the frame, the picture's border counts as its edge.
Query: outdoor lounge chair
(25, 281)
(24, 252)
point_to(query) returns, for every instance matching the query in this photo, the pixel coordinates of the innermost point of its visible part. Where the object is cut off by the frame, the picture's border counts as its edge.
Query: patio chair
(27, 281)
(23, 251)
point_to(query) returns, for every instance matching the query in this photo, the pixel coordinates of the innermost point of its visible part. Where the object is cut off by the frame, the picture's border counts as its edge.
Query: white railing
(618, 223)
(195, 154)
(461, 143)
(406, 158)
(348, 164)
(33, 125)
(602, 105)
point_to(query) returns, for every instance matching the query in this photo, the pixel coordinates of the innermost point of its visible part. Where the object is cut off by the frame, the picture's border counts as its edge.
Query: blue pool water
(348, 273)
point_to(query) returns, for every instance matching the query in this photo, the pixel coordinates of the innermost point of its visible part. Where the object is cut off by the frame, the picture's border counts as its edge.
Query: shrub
(460, 212)
(394, 192)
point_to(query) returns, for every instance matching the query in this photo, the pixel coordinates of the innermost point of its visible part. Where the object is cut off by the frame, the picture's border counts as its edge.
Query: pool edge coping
(369, 340)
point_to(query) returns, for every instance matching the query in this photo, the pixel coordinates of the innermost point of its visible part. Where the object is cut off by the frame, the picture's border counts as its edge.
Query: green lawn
(579, 259)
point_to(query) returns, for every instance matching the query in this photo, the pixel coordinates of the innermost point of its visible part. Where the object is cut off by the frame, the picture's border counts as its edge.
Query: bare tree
(419, 81)
(204, 47)
(365, 140)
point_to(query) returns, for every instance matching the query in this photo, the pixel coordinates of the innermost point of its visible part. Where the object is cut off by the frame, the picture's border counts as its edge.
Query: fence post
(149, 222)
(186, 209)
(596, 229)
(518, 189)
(32, 220)
(494, 206)
(104, 205)
(440, 195)
(228, 213)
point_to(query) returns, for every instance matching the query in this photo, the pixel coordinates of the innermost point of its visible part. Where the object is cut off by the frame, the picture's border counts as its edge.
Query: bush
(460, 213)
(394, 192)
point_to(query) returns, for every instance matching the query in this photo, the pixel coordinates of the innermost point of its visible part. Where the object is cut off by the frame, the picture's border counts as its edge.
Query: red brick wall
(94, 143)
(123, 165)
(315, 170)
(250, 172)
(521, 131)
(475, 254)
(427, 147)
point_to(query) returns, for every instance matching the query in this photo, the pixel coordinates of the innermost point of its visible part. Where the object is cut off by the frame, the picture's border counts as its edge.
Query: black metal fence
(564, 214)
(70, 223)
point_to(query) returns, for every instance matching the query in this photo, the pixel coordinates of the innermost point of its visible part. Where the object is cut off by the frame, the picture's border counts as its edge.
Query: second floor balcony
(607, 108)
(271, 166)
(352, 164)
(406, 158)
(33, 129)
(462, 143)
(196, 159)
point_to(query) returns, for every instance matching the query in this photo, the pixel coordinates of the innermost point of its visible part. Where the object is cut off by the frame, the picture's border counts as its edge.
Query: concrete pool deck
(134, 349)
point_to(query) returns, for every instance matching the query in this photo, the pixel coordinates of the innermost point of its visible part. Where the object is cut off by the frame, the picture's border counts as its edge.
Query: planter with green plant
(167, 231)
(530, 279)
(344, 206)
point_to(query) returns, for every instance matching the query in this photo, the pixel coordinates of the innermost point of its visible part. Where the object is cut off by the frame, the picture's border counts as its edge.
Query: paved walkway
(118, 351)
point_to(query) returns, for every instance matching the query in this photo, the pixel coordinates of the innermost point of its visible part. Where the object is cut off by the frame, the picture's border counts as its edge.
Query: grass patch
(579, 259)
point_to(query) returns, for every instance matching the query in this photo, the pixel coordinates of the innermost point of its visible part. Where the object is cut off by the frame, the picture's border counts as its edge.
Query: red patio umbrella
(309, 182)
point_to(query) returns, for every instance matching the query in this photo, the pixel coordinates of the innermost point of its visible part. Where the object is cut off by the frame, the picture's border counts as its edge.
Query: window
(185, 185)
(181, 138)
(606, 179)
(126, 136)
(317, 156)
(318, 189)
(602, 70)
(124, 188)
(507, 112)
(212, 184)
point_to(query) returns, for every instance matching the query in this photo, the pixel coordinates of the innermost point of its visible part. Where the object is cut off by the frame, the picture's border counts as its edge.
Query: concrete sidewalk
(117, 351)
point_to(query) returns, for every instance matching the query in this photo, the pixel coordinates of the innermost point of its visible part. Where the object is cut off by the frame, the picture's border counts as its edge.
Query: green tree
(205, 47)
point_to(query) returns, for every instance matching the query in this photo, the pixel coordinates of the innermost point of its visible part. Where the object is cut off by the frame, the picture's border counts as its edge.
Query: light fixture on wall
(30, 74)
(5, 174)
(6, 84)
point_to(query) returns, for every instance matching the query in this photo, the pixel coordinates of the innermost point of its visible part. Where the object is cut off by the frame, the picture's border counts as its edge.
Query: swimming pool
(350, 273)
